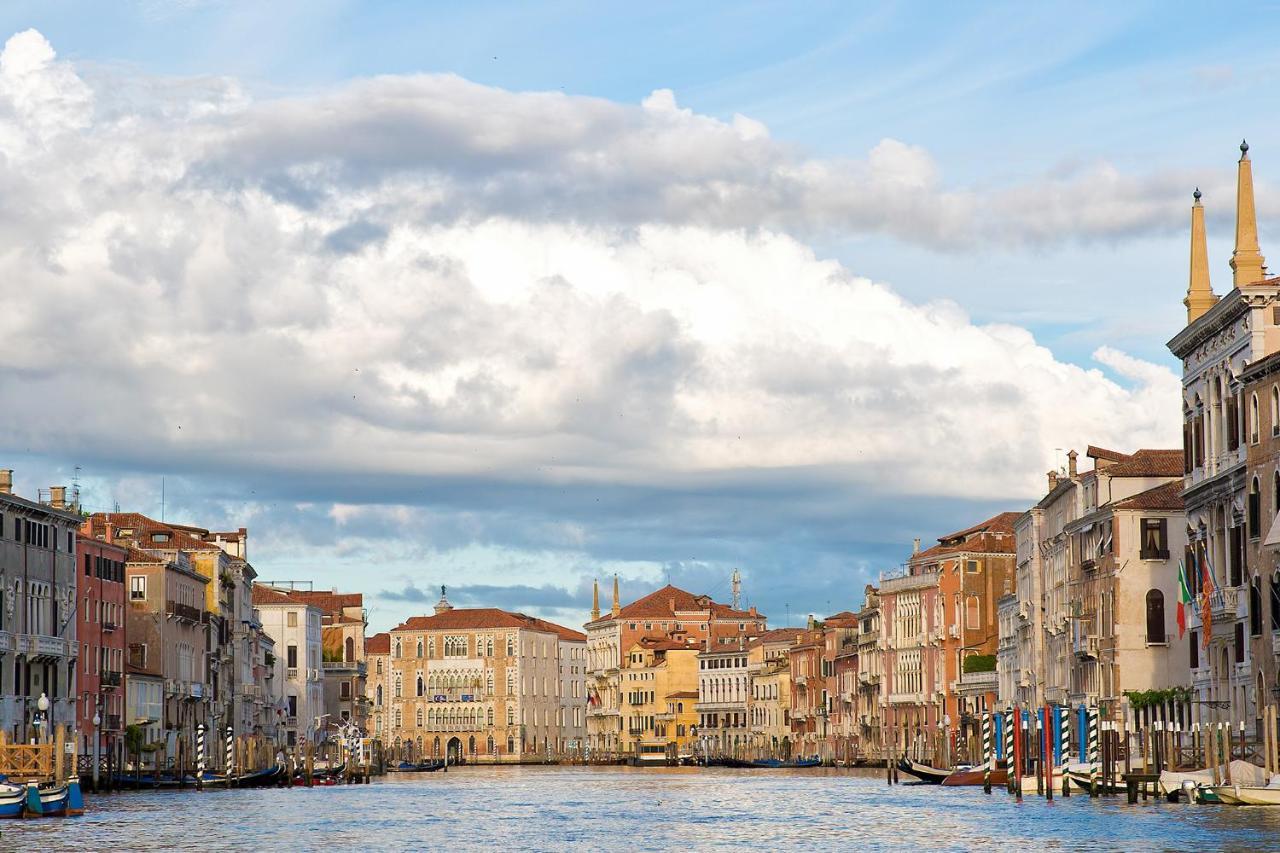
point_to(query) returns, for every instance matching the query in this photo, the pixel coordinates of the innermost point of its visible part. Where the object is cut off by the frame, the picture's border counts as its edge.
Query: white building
(38, 646)
(295, 628)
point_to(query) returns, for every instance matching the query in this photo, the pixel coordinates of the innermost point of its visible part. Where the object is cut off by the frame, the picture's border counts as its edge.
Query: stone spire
(1246, 261)
(595, 599)
(1200, 296)
(617, 605)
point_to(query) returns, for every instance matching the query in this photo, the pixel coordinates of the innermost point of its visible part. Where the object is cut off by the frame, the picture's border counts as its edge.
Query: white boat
(1257, 795)
(1242, 773)
(1226, 794)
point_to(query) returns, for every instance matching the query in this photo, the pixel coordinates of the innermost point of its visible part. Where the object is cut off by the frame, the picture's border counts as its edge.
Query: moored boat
(1258, 795)
(780, 763)
(975, 776)
(923, 772)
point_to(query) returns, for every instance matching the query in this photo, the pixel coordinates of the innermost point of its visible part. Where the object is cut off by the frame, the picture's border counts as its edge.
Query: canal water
(580, 808)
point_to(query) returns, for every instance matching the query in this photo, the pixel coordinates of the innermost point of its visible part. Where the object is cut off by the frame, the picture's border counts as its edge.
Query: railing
(6, 641)
(291, 673)
(110, 678)
(184, 611)
(111, 723)
(1224, 603)
(108, 626)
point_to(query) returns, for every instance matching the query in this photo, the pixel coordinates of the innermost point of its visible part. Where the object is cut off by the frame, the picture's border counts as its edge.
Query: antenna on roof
(75, 488)
(737, 589)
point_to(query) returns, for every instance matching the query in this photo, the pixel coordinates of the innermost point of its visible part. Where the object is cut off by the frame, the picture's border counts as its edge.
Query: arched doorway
(455, 750)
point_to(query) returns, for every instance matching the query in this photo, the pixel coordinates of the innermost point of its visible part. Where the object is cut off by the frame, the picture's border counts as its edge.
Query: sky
(510, 298)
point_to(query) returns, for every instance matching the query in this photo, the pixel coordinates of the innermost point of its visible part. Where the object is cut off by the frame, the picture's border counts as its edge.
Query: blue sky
(1027, 167)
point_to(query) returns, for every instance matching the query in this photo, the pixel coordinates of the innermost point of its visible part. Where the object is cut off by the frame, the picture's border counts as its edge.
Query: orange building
(669, 613)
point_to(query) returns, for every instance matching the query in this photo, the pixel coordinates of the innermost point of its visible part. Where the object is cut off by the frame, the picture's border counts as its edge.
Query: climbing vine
(1142, 699)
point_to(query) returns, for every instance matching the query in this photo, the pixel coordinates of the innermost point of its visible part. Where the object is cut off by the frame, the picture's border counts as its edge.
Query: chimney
(58, 497)
(1053, 480)
(6, 481)
(752, 610)
(1071, 462)
(810, 621)
(915, 545)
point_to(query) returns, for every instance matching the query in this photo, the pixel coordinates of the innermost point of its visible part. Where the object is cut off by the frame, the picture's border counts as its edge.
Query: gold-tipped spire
(1247, 262)
(595, 599)
(1200, 296)
(617, 605)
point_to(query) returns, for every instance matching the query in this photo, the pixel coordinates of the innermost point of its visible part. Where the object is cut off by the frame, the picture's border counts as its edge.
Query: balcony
(6, 641)
(110, 678)
(184, 612)
(111, 723)
(108, 626)
(1225, 603)
(39, 645)
(291, 721)
(291, 673)
(868, 678)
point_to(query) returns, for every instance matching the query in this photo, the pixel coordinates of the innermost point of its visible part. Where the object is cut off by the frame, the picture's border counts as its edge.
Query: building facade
(38, 630)
(484, 685)
(669, 613)
(295, 628)
(101, 633)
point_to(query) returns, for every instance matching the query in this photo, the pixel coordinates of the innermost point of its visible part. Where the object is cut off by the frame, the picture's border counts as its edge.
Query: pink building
(100, 614)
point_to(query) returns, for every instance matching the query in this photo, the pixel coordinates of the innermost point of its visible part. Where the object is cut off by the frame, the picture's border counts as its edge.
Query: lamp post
(41, 717)
(97, 745)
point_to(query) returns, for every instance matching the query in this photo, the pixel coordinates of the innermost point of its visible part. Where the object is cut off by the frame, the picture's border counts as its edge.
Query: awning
(1273, 535)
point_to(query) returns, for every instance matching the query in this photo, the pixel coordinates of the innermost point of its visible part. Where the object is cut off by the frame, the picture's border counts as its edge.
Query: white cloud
(426, 277)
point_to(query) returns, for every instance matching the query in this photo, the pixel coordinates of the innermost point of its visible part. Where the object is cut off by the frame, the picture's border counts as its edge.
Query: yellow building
(659, 682)
(769, 702)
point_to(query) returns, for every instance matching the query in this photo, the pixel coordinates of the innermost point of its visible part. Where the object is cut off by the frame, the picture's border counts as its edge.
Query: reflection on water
(558, 808)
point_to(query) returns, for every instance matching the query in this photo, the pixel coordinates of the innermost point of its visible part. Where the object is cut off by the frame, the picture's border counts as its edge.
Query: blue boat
(795, 762)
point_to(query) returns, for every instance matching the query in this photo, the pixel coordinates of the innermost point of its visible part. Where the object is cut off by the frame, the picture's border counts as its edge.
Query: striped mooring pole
(1064, 746)
(1008, 748)
(1093, 752)
(231, 753)
(200, 757)
(986, 753)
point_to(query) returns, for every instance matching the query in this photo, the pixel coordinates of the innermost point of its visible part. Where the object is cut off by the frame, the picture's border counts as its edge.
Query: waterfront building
(101, 633)
(660, 690)
(723, 690)
(344, 668)
(235, 683)
(1261, 381)
(667, 613)
(377, 650)
(938, 611)
(1222, 339)
(38, 631)
(870, 675)
(1123, 572)
(166, 626)
(486, 684)
(808, 693)
(769, 699)
(1043, 657)
(1009, 668)
(840, 664)
(295, 627)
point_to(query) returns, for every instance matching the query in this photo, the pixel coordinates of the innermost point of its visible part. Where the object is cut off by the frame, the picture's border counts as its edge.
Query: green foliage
(980, 663)
(133, 738)
(1141, 699)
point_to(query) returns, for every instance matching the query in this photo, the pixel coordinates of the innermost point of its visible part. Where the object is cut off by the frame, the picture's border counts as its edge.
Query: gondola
(774, 763)
(923, 772)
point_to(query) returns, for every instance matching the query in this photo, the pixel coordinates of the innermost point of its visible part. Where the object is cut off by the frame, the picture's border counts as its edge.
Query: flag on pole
(1184, 598)
(1206, 590)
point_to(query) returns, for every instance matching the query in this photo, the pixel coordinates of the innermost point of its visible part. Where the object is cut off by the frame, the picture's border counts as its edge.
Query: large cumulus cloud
(418, 280)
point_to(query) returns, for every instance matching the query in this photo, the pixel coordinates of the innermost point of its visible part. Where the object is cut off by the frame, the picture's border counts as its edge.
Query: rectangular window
(291, 657)
(971, 566)
(291, 619)
(88, 562)
(1233, 423)
(137, 588)
(1155, 539)
(1239, 644)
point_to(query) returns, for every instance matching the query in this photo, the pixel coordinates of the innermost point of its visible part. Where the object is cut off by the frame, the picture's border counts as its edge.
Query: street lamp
(41, 717)
(97, 746)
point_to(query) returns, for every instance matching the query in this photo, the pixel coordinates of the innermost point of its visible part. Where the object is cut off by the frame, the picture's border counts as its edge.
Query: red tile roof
(143, 527)
(665, 602)
(378, 644)
(136, 556)
(1167, 496)
(682, 694)
(329, 603)
(1148, 463)
(777, 635)
(485, 617)
(1102, 453)
(268, 595)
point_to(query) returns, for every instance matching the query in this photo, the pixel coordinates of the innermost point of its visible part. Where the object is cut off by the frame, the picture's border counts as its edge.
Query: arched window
(1255, 510)
(511, 744)
(1255, 608)
(1275, 493)
(1275, 410)
(1253, 419)
(488, 683)
(419, 647)
(1155, 616)
(419, 718)
(1275, 602)
(398, 686)
(351, 650)
(489, 717)
(489, 745)
(471, 744)
(377, 695)
(399, 650)
(421, 686)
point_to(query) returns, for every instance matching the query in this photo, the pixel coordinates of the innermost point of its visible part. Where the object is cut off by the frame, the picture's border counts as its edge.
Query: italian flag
(1184, 599)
